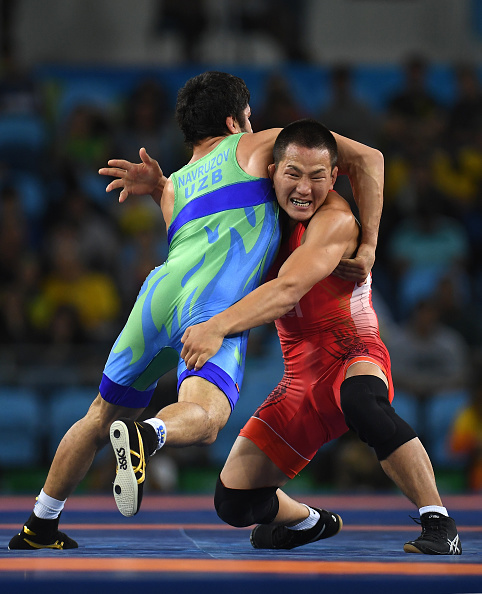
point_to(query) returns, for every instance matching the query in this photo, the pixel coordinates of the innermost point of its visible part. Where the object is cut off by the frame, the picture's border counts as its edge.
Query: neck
(205, 147)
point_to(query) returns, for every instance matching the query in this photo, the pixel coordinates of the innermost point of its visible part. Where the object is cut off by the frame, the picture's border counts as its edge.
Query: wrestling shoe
(439, 536)
(41, 534)
(133, 442)
(266, 536)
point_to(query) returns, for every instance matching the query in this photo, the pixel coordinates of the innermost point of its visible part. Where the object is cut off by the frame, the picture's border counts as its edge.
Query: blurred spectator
(429, 366)
(69, 283)
(24, 135)
(466, 436)
(413, 110)
(14, 239)
(348, 116)
(279, 107)
(458, 311)
(465, 115)
(83, 147)
(149, 123)
(19, 303)
(424, 247)
(427, 356)
(96, 234)
(345, 113)
(457, 171)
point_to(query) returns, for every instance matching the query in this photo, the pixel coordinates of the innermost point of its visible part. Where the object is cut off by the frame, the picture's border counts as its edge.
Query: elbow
(373, 158)
(379, 160)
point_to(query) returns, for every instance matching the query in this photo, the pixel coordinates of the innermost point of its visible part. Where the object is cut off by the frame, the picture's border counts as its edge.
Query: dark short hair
(306, 133)
(206, 100)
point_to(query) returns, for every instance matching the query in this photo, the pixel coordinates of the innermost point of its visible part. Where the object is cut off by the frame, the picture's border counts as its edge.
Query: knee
(368, 412)
(240, 508)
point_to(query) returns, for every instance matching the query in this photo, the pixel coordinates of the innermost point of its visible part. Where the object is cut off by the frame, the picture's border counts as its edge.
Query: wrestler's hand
(201, 342)
(138, 179)
(358, 268)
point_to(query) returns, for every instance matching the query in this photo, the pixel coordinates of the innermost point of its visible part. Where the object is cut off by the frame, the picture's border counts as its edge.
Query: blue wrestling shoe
(439, 536)
(133, 442)
(265, 536)
(41, 534)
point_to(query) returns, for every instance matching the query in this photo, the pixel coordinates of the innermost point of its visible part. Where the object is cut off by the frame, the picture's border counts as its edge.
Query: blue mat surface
(178, 544)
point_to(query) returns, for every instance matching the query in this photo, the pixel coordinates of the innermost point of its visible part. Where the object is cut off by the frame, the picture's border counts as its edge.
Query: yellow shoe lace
(141, 467)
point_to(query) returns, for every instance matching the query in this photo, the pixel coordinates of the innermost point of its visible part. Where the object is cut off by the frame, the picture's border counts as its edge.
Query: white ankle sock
(308, 522)
(433, 508)
(47, 507)
(160, 428)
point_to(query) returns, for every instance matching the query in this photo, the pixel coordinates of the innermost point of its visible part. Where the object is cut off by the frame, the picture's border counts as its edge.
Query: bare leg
(247, 467)
(410, 469)
(79, 446)
(202, 411)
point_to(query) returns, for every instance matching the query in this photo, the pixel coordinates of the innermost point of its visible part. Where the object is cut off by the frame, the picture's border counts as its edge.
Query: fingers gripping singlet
(223, 237)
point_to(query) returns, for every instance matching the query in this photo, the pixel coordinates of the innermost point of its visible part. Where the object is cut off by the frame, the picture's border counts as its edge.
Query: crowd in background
(72, 259)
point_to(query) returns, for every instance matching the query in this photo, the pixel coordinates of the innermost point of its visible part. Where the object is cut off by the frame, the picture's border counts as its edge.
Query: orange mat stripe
(83, 564)
(353, 528)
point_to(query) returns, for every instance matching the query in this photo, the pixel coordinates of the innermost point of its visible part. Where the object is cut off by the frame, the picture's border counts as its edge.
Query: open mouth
(300, 203)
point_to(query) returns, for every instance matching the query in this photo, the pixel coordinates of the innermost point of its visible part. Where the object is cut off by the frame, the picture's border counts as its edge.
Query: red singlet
(333, 326)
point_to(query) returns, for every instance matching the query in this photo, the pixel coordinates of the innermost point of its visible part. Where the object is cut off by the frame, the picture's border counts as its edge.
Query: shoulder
(255, 151)
(334, 221)
(334, 207)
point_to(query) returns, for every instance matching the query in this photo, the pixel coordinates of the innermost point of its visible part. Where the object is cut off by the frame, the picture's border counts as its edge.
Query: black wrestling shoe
(133, 442)
(266, 536)
(439, 536)
(41, 534)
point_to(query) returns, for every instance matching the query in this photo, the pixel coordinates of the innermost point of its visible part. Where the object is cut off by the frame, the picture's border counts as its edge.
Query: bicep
(309, 265)
(325, 244)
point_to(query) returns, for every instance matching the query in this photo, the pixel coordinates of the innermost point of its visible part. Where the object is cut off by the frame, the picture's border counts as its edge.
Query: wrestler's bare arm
(365, 169)
(329, 235)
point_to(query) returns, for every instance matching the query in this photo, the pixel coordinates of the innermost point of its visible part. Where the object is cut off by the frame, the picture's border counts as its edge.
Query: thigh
(365, 368)
(225, 369)
(248, 467)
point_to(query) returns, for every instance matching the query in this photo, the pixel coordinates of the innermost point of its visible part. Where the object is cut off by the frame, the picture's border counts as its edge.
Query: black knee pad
(240, 508)
(368, 412)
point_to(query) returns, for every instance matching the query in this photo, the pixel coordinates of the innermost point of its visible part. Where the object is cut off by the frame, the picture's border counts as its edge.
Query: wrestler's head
(304, 169)
(207, 100)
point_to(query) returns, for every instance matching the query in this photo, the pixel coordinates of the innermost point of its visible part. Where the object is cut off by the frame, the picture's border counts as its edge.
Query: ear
(271, 170)
(334, 175)
(232, 125)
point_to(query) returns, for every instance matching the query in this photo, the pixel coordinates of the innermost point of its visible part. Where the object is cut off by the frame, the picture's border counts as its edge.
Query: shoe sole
(410, 548)
(125, 489)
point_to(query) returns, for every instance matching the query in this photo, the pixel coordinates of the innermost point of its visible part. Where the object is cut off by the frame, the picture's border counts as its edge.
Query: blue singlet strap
(252, 193)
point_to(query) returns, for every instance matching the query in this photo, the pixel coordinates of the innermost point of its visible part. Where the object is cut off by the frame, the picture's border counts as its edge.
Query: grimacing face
(302, 180)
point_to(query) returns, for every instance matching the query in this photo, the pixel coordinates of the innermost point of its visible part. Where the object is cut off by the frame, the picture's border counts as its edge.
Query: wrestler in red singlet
(333, 326)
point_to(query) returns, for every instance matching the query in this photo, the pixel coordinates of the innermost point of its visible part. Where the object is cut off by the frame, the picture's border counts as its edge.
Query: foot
(266, 536)
(132, 442)
(439, 536)
(41, 534)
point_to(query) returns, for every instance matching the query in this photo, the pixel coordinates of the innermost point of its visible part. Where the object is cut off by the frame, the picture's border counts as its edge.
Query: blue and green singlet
(223, 237)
